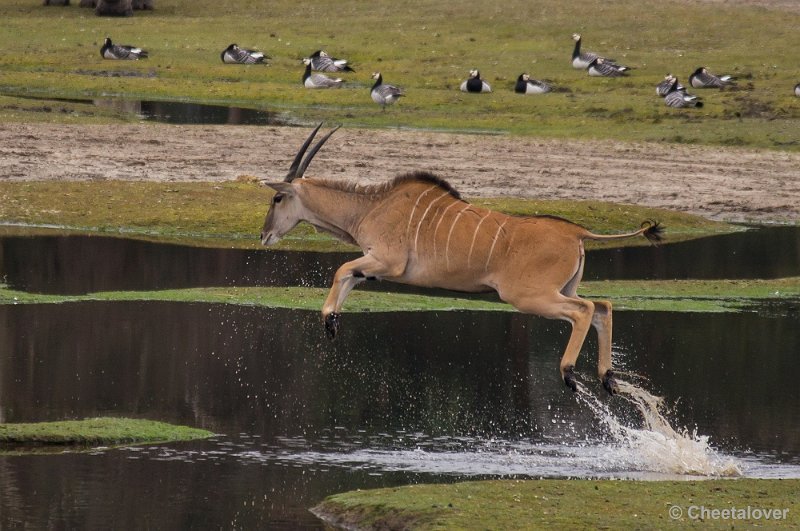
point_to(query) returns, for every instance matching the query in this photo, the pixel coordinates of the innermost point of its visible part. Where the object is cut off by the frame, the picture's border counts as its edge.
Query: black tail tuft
(699, 104)
(654, 231)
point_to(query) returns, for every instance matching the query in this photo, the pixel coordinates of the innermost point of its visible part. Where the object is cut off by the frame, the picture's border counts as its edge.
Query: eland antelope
(416, 229)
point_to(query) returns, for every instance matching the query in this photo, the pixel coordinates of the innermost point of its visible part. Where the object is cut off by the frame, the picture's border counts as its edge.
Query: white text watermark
(701, 512)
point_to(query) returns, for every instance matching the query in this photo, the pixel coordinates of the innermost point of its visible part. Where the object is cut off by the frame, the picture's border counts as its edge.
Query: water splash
(657, 446)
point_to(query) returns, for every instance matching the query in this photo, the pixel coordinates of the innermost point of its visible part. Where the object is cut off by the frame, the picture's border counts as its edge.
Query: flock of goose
(673, 92)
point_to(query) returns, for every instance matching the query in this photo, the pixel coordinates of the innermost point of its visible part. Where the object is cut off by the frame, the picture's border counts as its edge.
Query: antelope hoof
(569, 378)
(610, 383)
(332, 325)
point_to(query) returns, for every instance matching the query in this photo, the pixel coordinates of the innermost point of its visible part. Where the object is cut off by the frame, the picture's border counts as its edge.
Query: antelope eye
(277, 198)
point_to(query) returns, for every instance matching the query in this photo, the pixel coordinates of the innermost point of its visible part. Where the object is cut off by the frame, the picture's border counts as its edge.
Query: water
(177, 112)
(397, 399)
(83, 264)
(423, 397)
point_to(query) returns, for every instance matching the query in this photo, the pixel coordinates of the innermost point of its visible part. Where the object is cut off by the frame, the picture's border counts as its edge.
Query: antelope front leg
(347, 277)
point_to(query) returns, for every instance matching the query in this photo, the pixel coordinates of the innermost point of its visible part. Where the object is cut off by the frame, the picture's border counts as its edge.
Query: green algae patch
(692, 295)
(103, 431)
(568, 504)
(675, 295)
(231, 213)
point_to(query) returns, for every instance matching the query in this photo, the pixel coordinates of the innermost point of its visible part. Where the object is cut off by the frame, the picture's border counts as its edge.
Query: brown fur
(416, 229)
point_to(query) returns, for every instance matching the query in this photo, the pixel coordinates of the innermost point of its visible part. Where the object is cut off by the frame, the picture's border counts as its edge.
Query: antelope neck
(337, 212)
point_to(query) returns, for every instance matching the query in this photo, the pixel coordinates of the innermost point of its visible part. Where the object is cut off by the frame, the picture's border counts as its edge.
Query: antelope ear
(280, 186)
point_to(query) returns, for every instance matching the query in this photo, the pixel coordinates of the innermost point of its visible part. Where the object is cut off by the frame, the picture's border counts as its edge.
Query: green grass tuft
(102, 431)
(676, 296)
(565, 504)
(427, 47)
(231, 213)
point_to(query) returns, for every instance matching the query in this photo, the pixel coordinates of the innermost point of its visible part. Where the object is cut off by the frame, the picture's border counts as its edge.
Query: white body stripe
(411, 217)
(449, 234)
(421, 219)
(441, 218)
(475, 236)
(494, 242)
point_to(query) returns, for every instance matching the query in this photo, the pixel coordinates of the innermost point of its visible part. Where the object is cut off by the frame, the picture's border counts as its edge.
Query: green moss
(682, 295)
(231, 213)
(563, 504)
(96, 432)
(427, 47)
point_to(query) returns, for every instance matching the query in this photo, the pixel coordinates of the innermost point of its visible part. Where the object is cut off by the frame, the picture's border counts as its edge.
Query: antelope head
(287, 210)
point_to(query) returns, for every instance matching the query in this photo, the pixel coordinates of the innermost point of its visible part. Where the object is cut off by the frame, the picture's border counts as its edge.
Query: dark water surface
(175, 112)
(178, 112)
(84, 264)
(397, 399)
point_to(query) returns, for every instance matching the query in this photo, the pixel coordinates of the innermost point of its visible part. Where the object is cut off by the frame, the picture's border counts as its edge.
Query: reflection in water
(84, 264)
(762, 253)
(176, 112)
(425, 397)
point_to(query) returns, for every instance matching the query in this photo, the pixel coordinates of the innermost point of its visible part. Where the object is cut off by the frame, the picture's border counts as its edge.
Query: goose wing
(323, 81)
(534, 86)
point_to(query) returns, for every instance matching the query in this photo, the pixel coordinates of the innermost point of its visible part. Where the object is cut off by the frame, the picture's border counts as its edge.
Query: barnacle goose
(322, 62)
(797, 90)
(318, 81)
(475, 84)
(109, 50)
(384, 94)
(235, 55)
(601, 68)
(702, 78)
(526, 85)
(678, 97)
(581, 61)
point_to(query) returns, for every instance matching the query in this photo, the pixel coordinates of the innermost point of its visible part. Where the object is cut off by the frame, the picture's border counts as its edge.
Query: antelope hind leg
(601, 320)
(347, 277)
(558, 306)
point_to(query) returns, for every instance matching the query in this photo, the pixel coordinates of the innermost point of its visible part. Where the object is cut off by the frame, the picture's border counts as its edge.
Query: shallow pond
(83, 264)
(417, 397)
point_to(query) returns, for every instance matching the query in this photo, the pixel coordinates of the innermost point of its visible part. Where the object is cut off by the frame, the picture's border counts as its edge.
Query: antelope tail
(652, 230)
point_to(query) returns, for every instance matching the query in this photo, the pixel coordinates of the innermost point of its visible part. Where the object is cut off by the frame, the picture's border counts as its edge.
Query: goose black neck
(577, 50)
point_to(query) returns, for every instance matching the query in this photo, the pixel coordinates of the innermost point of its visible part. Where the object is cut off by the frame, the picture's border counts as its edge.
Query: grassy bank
(95, 432)
(428, 48)
(232, 213)
(565, 504)
(683, 295)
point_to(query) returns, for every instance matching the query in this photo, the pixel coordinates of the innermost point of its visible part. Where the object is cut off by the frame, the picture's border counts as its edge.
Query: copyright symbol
(675, 512)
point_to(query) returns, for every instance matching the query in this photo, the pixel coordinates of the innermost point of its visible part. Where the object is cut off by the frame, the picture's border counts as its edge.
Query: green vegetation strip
(427, 48)
(678, 295)
(102, 431)
(232, 213)
(569, 504)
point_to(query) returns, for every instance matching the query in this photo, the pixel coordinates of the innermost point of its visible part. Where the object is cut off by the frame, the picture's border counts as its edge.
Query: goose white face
(306, 61)
(525, 77)
(323, 53)
(473, 73)
(576, 36)
(376, 75)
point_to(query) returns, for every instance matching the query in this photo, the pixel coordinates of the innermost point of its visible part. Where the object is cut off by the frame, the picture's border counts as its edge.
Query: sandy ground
(719, 183)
